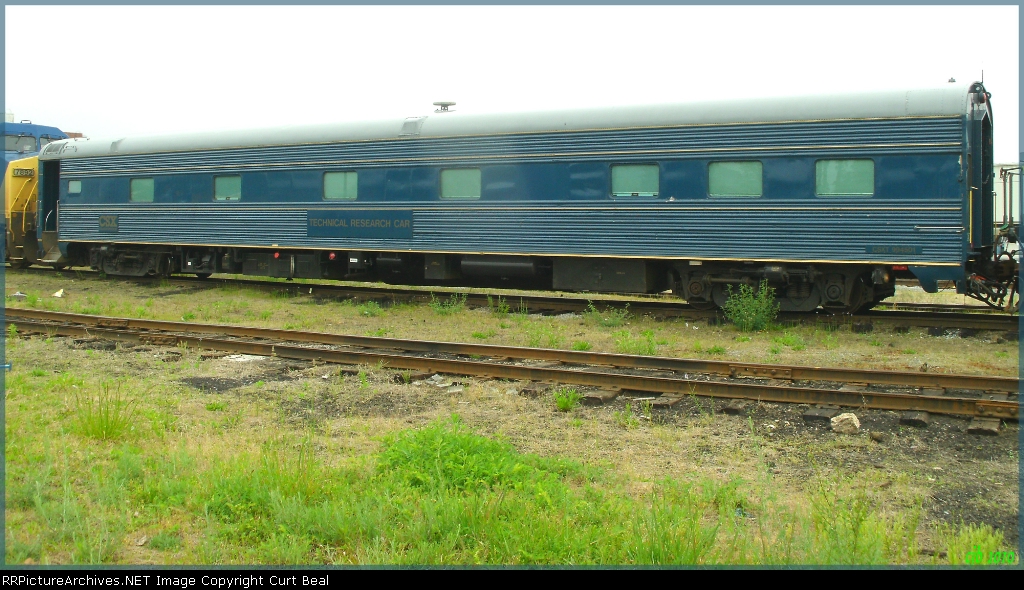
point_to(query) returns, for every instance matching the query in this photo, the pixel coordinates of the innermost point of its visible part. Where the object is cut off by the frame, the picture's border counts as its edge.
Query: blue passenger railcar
(828, 198)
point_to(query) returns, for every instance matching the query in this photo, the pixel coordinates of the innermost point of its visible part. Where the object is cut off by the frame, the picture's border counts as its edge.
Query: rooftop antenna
(444, 106)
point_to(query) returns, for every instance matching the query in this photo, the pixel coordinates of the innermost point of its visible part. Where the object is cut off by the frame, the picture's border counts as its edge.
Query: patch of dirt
(969, 478)
(975, 503)
(98, 344)
(174, 292)
(397, 402)
(215, 384)
(380, 398)
(311, 408)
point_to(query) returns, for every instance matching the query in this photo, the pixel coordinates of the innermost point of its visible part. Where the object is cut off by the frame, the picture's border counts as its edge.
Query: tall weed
(611, 318)
(455, 304)
(751, 311)
(567, 398)
(106, 415)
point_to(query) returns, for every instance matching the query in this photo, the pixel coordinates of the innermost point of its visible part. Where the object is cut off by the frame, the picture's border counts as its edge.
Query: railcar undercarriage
(993, 275)
(798, 287)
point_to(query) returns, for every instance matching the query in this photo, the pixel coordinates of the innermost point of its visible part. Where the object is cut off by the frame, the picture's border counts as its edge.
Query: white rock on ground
(846, 423)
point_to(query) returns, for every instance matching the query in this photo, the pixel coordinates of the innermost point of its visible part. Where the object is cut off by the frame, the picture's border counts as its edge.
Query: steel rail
(940, 307)
(658, 306)
(655, 385)
(959, 320)
(914, 379)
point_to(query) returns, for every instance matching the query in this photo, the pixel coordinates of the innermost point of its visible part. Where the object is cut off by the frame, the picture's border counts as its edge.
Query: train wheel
(801, 304)
(702, 305)
(857, 303)
(204, 275)
(20, 264)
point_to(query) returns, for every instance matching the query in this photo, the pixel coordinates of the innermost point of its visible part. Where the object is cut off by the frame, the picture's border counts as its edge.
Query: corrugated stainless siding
(941, 135)
(844, 230)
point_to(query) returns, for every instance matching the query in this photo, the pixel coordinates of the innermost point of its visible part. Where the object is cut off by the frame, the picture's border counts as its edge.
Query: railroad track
(935, 317)
(669, 379)
(939, 307)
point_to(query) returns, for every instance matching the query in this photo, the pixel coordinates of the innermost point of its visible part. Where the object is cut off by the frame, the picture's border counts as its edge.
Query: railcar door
(981, 188)
(49, 189)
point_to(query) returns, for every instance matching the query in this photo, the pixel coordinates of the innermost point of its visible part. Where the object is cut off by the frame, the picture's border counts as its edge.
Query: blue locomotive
(25, 139)
(828, 198)
(21, 142)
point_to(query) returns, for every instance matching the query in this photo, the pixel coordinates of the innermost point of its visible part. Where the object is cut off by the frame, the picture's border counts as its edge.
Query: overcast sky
(123, 70)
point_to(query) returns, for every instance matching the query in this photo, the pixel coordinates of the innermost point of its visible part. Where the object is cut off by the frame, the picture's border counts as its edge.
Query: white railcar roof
(948, 100)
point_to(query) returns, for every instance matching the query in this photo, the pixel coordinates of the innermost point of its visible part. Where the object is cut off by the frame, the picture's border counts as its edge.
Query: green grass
(484, 335)
(439, 494)
(456, 303)
(244, 485)
(106, 414)
(581, 345)
(610, 318)
(370, 309)
(165, 540)
(643, 344)
(793, 341)
(626, 417)
(567, 398)
(541, 334)
(499, 307)
(830, 341)
(717, 349)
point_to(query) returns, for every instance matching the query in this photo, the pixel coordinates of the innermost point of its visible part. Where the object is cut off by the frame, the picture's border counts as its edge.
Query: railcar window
(74, 187)
(142, 190)
(341, 186)
(19, 143)
(461, 183)
(635, 180)
(227, 188)
(840, 178)
(735, 179)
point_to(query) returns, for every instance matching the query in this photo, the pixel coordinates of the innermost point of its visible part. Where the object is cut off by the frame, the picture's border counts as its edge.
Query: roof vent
(952, 80)
(411, 126)
(443, 106)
